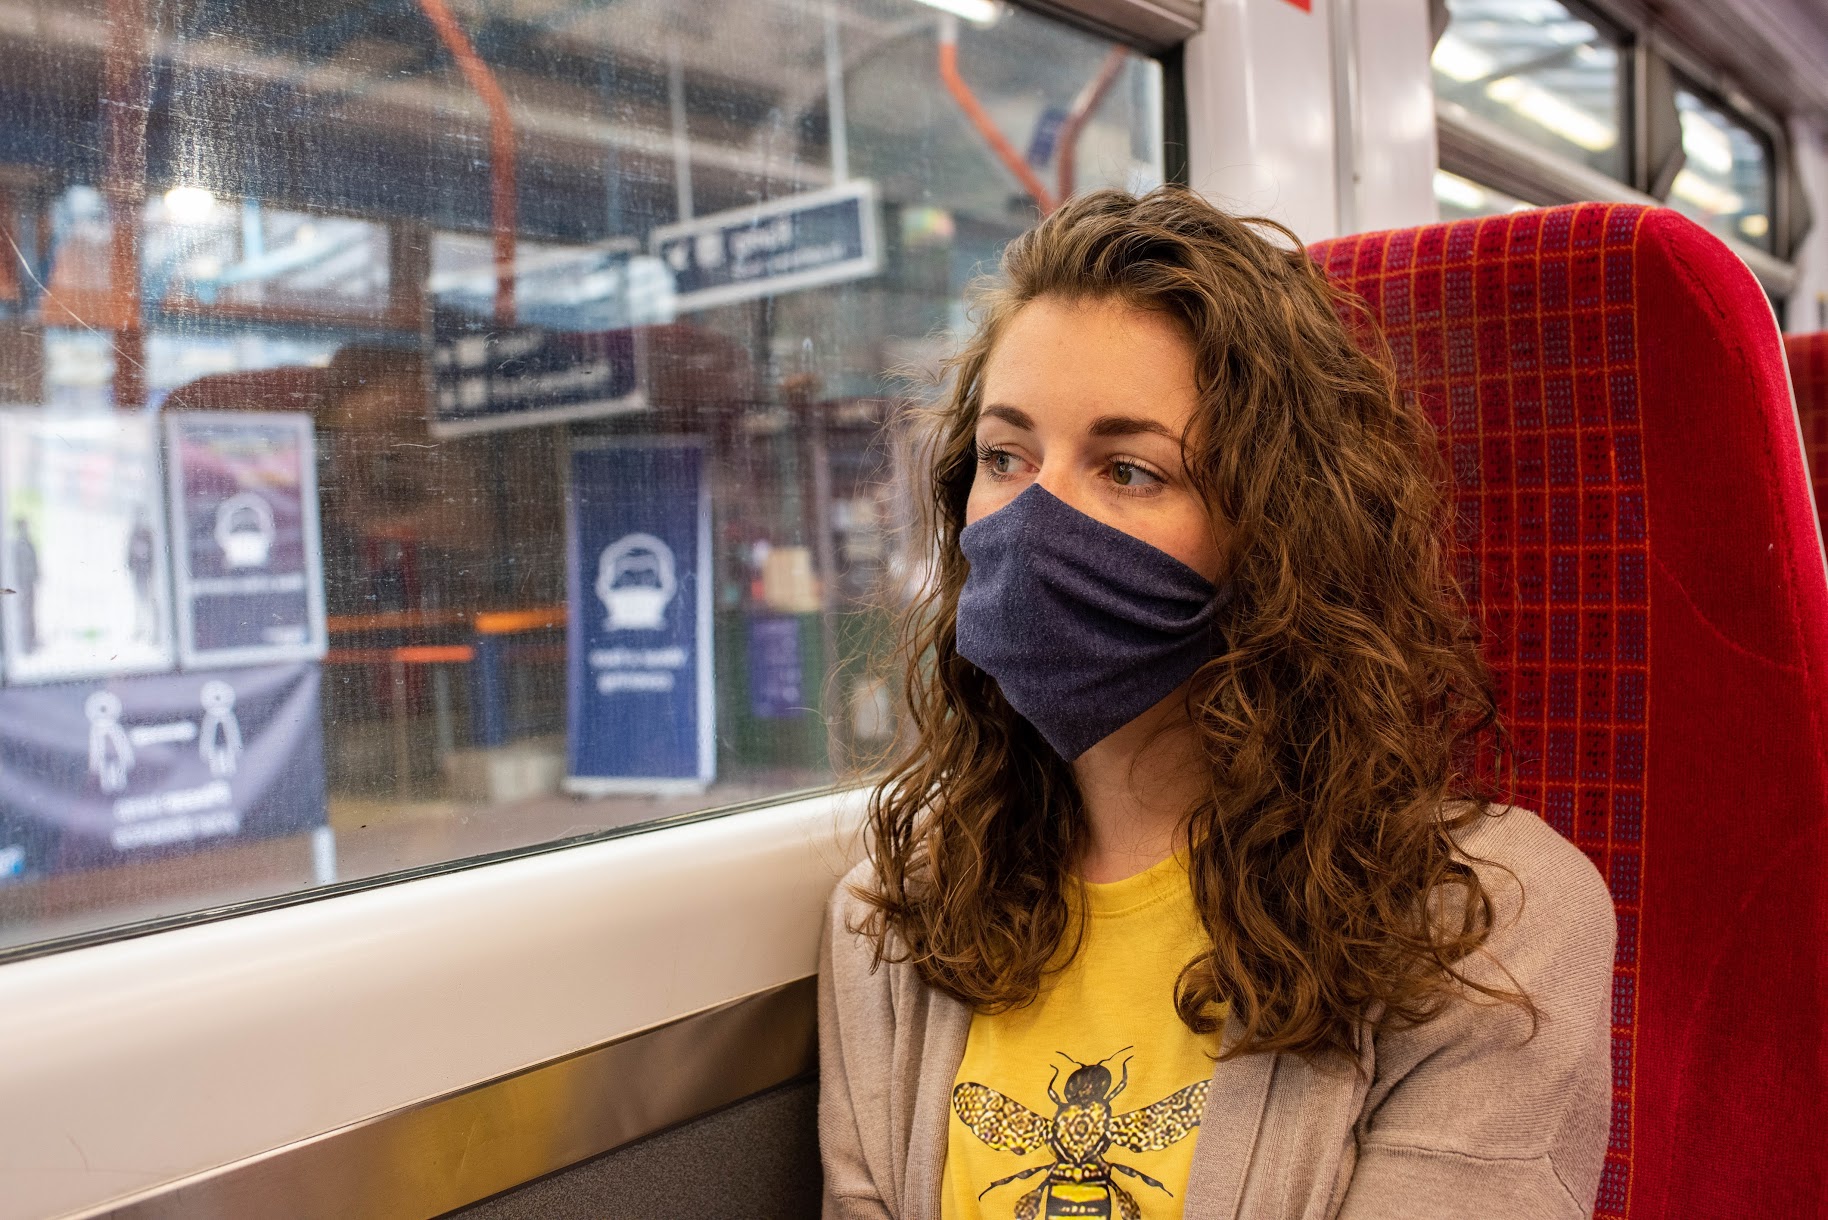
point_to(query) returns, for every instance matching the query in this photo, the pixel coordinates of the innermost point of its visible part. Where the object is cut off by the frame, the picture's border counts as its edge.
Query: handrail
(502, 188)
(1084, 106)
(986, 126)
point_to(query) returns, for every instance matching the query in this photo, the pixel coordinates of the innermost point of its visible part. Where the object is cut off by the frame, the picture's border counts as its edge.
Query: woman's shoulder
(1552, 913)
(1481, 1083)
(1511, 844)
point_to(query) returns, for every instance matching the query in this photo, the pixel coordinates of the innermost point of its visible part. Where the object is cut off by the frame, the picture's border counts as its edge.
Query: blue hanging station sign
(802, 241)
(486, 380)
(100, 773)
(248, 563)
(642, 713)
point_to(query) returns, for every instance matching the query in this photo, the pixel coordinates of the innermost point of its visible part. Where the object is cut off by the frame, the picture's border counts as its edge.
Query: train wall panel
(224, 1041)
(1260, 110)
(1807, 308)
(1394, 125)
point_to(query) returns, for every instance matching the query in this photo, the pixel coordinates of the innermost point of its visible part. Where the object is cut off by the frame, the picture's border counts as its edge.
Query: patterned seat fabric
(1809, 377)
(1634, 528)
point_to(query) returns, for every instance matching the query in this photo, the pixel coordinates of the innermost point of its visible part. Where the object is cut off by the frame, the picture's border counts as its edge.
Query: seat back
(1634, 528)
(1808, 356)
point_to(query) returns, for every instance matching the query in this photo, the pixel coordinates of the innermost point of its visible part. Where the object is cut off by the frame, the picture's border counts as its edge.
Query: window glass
(1540, 70)
(1725, 180)
(1463, 199)
(427, 432)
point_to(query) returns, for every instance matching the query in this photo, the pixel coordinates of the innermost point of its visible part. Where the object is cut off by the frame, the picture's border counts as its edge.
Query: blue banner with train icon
(642, 712)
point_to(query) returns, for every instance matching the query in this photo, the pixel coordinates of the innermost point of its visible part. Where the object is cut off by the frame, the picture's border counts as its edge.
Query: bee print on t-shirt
(1082, 1133)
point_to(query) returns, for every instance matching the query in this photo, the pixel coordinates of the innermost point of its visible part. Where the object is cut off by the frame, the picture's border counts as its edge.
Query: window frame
(1625, 39)
(1476, 148)
(1762, 129)
(1720, 90)
(1126, 21)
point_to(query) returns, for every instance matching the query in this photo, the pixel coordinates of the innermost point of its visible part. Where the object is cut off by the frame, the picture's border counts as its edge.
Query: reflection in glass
(1541, 71)
(490, 476)
(1725, 180)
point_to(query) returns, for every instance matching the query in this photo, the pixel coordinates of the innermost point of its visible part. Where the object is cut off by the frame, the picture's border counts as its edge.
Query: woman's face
(1090, 399)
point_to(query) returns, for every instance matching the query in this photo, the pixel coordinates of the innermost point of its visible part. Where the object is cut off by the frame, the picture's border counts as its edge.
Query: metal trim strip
(429, 1159)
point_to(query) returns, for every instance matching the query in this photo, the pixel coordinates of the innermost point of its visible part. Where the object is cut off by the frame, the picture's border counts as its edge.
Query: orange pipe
(125, 95)
(967, 101)
(420, 654)
(1084, 106)
(513, 622)
(433, 654)
(10, 287)
(389, 620)
(501, 148)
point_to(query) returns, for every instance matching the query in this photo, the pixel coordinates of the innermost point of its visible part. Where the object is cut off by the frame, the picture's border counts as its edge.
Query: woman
(1181, 900)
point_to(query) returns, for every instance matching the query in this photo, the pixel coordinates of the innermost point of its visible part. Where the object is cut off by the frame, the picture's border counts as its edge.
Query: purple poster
(245, 538)
(774, 668)
(105, 771)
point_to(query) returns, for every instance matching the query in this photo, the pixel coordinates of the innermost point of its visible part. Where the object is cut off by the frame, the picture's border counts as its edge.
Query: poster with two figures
(86, 559)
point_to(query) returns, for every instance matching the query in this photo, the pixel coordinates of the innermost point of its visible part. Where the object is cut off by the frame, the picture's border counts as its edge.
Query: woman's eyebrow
(1013, 416)
(1131, 425)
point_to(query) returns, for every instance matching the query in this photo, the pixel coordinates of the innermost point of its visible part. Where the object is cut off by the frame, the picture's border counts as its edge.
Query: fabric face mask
(1083, 626)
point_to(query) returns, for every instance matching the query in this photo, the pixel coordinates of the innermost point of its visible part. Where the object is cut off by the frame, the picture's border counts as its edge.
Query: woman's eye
(999, 462)
(1129, 474)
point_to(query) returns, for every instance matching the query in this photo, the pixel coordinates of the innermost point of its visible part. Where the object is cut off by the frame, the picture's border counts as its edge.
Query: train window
(501, 454)
(1541, 70)
(1726, 177)
(1462, 198)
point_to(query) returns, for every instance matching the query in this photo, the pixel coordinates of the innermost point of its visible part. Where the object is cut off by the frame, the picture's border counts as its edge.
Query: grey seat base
(756, 1158)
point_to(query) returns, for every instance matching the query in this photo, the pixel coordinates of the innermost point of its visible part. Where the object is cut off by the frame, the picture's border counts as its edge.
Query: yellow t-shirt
(1061, 1108)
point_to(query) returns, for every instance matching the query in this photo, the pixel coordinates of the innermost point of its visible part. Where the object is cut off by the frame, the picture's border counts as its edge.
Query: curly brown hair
(1339, 722)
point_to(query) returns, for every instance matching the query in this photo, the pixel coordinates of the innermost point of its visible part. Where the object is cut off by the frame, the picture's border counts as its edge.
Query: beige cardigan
(1464, 1116)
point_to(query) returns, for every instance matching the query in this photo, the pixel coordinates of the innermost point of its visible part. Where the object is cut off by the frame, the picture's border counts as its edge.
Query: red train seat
(1635, 529)
(1809, 377)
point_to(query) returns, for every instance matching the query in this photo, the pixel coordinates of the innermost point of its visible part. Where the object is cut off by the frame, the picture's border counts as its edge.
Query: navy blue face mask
(1083, 626)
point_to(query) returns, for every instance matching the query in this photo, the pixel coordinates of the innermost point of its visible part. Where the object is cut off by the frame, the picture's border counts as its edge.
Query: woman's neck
(1138, 785)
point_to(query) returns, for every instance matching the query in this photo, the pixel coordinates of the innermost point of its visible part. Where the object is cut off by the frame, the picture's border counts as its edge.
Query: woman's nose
(1057, 480)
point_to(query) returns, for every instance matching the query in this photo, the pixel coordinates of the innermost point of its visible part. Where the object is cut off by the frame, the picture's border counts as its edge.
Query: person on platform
(1183, 896)
(25, 577)
(142, 559)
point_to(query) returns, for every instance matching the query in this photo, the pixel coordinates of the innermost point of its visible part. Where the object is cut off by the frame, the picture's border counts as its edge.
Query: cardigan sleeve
(1473, 1113)
(855, 1023)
